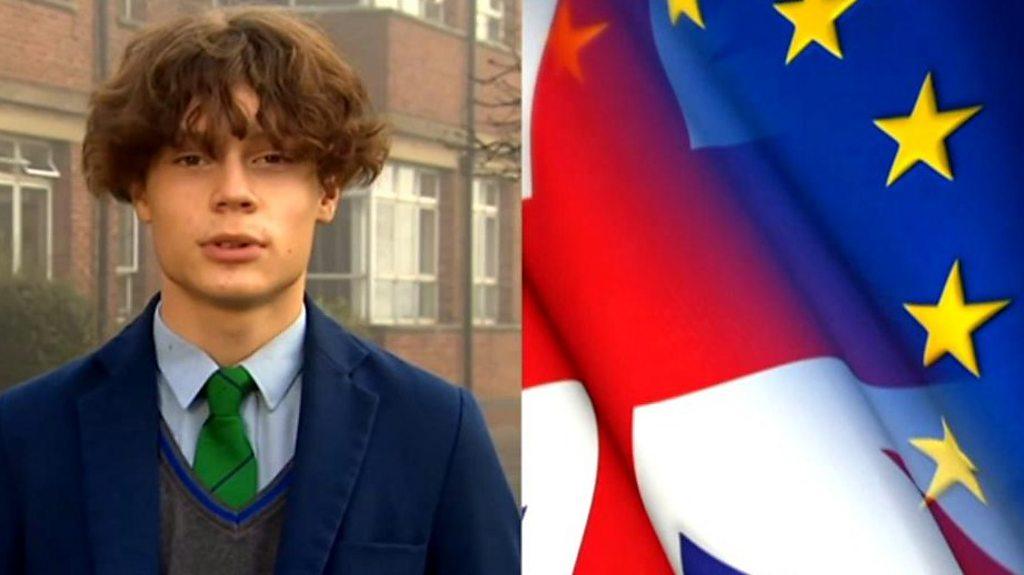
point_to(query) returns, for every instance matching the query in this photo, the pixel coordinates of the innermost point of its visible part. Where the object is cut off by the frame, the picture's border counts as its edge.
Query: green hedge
(340, 309)
(42, 325)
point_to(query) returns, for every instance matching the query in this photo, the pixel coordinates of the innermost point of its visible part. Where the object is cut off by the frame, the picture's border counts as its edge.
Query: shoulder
(51, 387)
(39, 406)
(406, 387)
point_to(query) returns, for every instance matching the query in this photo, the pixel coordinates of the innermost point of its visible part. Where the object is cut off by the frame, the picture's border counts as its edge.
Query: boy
(233, 427)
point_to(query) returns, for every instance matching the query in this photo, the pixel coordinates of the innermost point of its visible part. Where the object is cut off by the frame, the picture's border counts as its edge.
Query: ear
(330, 195)
(141, 202)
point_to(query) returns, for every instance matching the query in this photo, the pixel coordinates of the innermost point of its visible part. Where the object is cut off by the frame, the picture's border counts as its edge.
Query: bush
(340, 309)
(42, 325)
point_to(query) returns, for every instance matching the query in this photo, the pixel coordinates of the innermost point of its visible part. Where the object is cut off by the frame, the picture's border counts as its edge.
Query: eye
(189, 160)
(274, 159)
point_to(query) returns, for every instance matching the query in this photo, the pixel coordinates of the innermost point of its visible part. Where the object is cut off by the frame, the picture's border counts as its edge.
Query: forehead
(209, 122)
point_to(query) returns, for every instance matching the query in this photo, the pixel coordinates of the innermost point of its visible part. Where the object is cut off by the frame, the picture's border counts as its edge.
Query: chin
(240, 295)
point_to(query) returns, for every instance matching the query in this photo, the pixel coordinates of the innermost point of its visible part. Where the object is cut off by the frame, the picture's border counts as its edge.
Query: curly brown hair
(312, 103)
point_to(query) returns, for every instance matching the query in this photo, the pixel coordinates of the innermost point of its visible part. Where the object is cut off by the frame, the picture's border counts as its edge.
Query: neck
(228, 332)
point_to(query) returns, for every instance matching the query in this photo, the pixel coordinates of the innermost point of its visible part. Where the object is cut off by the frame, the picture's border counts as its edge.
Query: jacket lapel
(119, 425)
(335, 422)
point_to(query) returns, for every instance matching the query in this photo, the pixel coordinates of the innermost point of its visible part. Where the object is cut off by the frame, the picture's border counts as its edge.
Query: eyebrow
(206, 141)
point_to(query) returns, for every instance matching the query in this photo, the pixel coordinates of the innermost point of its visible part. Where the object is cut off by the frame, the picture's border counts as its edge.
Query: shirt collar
(187, 367)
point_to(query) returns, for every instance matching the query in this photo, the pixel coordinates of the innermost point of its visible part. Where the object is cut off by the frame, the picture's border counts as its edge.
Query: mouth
(229, 245)
(232, 249)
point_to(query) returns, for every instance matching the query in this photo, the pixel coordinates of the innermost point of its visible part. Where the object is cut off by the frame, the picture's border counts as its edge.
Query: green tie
(225, 462)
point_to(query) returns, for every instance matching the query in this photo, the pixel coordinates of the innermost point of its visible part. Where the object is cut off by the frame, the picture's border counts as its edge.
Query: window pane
(354, 212)
(406, 300)
(491, 247)
(342, 299)
(485, 302)
(34, 233)
(39, 158)
(405, 184)
(7, 161)
(6, 230)
(135, 10)
(478, 301)
(429, 184)
(124, 306)
(428, 251)
(491, 197)
(495, 32)
(329, 255)
(327, 2)
(433, 10)
(253, 2)
(383, 301)
(385, 182)
(405, 240)
(428, 300)
(126, 255)
(385, 238)
(357, 298)
(491, 302)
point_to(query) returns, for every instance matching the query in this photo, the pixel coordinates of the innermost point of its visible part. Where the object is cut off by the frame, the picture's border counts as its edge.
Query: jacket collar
(119, 426)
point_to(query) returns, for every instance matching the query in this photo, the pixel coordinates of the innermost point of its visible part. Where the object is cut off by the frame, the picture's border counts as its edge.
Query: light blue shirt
(271, 416)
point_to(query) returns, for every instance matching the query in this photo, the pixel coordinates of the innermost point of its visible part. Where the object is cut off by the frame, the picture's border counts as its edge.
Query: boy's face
(234, 229)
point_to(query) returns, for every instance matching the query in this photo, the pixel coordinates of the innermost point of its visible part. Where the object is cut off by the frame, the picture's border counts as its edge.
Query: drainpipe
(102, 219)
(469, 170)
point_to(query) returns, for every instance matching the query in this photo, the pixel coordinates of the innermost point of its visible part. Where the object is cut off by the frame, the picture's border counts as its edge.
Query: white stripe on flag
(559, 473)
(782, 471)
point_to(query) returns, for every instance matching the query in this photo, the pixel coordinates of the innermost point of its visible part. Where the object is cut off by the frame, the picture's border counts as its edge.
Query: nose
(233, 191)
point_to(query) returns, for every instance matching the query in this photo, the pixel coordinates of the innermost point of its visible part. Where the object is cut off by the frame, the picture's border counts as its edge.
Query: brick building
(390, 266)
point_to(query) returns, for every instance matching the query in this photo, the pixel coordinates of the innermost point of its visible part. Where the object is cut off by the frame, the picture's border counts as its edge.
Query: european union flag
(879, 145)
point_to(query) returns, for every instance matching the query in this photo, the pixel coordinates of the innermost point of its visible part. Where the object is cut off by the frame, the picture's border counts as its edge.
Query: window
(486, 194)
(433, 10)
(490, 21)
(218, 3)
(338, 266)
(426, 9)
(133, 10)
(377, 261)
(404, 265)
(127, 259)
(26, 207)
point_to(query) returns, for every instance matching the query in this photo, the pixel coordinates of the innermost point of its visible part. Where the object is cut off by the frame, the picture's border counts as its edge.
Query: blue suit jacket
(393, 472)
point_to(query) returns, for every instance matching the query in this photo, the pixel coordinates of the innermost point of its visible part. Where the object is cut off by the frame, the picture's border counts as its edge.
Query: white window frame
(486, 12)
(416, 8)
(384, 191)
(359, 252)
(24, 176)
(126, 274)
(482, 212)
(127, 13)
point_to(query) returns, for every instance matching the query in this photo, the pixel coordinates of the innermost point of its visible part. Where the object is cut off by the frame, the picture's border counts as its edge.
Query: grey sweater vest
(199, 538)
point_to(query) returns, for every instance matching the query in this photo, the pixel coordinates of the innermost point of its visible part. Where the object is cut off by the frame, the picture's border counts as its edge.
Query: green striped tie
(225, 462)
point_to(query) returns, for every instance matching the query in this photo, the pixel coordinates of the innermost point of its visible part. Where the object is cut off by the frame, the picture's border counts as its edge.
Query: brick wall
(47, 45)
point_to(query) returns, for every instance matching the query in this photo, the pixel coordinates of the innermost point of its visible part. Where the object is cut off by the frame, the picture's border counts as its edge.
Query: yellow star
(952, 465)
(951, 322)
(567, 40)
(814, 21)
(922, 134)
(689, 7)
